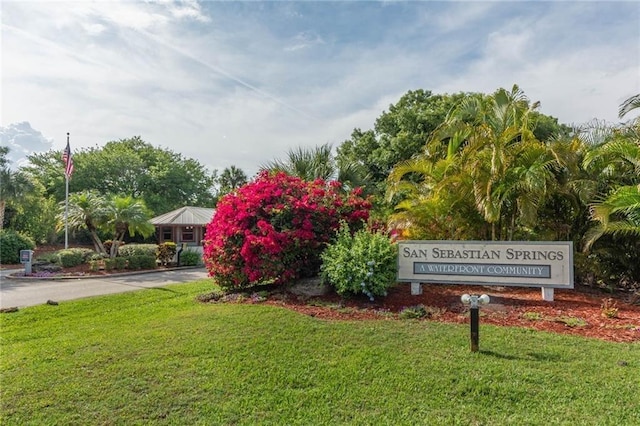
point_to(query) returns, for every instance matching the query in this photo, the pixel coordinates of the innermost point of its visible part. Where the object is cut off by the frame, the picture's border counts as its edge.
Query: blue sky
(241, 83)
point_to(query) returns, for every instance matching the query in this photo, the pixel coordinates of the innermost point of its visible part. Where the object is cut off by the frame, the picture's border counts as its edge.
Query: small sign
(518, 263)
(25, 256)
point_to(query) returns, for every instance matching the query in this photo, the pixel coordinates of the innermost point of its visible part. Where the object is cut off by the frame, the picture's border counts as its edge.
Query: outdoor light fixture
(474, 319)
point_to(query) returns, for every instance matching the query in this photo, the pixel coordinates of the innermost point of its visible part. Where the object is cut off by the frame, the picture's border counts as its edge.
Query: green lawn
(159, 357)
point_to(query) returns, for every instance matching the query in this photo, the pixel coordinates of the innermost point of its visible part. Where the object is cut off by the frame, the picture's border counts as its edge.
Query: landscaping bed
(583, 311)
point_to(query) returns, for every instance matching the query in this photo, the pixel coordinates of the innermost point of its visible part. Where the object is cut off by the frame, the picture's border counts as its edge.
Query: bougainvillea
(274, 229)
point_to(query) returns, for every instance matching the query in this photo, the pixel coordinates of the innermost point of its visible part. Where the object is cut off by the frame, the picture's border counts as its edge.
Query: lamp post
(474, 319)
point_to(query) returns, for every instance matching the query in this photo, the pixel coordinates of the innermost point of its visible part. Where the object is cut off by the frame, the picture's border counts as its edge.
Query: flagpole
(66, 205)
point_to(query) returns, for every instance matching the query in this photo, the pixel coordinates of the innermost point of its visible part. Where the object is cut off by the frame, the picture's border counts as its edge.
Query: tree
(47, 169)
(398, 133)
(618, 212)
(126, 214)
(13, 184)
(484, 155)
(86, 210)
(35, 215)
(231, 179)
(319, 162)
(307, 164)
(401, 132)
(162, 178)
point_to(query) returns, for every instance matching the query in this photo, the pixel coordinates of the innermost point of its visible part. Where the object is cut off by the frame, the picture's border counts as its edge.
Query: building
(186, 225)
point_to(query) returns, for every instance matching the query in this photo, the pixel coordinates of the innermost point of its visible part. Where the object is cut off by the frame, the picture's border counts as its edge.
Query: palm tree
(13, 184)
(127, 214)
(307, 164)
(319, 162)
(231, 179)
(486, 155)
(618, 215)
(618, 212)
(86, 210)
(629, 105)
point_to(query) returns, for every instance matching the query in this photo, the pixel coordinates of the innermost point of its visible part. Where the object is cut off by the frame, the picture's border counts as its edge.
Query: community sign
(517, 263)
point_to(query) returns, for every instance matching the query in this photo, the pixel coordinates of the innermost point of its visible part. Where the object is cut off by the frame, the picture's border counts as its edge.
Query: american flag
(68, 161)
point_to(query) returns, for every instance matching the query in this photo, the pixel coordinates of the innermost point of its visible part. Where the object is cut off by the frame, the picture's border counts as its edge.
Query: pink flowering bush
(274, 229)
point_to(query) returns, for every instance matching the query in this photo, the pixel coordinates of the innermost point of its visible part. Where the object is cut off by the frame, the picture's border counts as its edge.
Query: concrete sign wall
(517, 263)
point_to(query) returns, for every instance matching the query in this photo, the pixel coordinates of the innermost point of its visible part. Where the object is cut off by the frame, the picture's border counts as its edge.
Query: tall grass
(159, 357)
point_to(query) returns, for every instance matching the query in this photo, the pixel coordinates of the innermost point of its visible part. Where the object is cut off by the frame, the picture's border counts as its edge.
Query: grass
(159, 357)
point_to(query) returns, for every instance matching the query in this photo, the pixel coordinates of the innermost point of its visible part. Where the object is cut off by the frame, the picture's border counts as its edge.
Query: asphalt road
(30, 292)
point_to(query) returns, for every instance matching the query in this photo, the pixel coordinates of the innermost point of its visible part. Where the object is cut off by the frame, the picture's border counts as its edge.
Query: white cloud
(240, 83)
(22, 140)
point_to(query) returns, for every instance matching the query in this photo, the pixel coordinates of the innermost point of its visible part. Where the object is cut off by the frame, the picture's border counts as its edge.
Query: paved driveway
(23, 292)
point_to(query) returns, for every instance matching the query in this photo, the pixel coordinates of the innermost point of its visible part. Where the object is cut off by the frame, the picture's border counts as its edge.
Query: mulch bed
(583, 311)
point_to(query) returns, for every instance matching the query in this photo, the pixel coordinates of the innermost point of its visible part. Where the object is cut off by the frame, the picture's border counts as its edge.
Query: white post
(416, 289)
(547, 294)
(66, 212)
(66, 194)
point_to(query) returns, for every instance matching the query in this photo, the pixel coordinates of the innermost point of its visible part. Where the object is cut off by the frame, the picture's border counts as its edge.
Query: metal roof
(185, 216)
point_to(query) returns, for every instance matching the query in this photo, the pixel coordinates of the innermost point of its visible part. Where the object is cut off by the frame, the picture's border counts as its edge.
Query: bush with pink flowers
(274, 229)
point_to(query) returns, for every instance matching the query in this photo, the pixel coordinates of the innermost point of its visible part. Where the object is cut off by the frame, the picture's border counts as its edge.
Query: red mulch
(576, 312)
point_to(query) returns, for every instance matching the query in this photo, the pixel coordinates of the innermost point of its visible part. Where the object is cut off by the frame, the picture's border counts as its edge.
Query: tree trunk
(97, 242)
(116, 244)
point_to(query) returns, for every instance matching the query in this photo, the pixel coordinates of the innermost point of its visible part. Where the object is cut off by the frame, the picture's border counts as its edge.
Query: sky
(242, 83)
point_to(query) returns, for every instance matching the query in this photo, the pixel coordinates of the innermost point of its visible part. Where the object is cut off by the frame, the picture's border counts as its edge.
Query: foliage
(127, 215)
(231, 179)
(163, 179)
(273, 229)
(134, 262)
(51, 257)
(11, 243)
(13, 184)
(120, 263)
(483, 173)
(35, 215)
(612, 264)
(319, 163)
(190, 258)
(166, 251)
(74, 256)
(109, 264)
(362, 263)
(146, 261)
(85, 210)
(398, 134)
(413, 312)
(139, 250)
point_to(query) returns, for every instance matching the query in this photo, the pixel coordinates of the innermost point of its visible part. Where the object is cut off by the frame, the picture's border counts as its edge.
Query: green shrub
(363, 263)
(94, 265)
(147, 262)
(51, 257)
(120, 263)
(133, 262)
(11, 243)
(74, 256)
(138, 250)
(109, 264)
(413, 312)
(165, 252)
(97, 256)
(190, 258)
